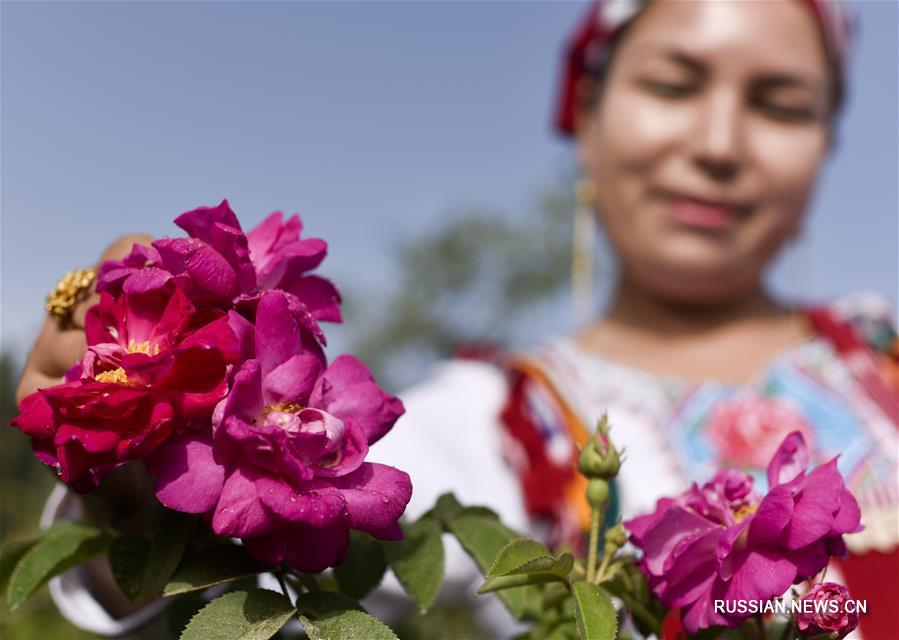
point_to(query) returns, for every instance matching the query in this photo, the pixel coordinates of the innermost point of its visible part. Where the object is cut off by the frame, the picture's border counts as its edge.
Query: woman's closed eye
(785, 112)
(669, 88)
(788, 100)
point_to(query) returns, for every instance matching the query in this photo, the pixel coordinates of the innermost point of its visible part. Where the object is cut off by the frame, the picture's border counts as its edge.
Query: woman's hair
(596, 70)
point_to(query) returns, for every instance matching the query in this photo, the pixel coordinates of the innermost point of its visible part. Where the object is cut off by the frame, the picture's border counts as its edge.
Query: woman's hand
(56, 350)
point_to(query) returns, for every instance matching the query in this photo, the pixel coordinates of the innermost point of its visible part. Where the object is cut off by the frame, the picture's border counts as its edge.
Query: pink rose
(153, 366)
(86, 430)
(218, 264)
(283, 260)
(827, 608)
(163, 343)
(285, 470)
(723, 542)
(747, 431)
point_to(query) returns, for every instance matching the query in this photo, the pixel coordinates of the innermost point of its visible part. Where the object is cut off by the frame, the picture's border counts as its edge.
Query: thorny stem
(594, 541)
(606, 558)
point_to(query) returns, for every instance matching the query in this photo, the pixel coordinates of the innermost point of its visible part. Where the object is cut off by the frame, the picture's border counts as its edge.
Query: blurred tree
(480, 279)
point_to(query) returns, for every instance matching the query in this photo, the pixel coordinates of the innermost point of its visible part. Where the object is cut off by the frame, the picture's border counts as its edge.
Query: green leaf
(554, 595)
(363, 568)
(315, 604)
(483, 536)
(559, 567)
(127, 559)
(499, 583)
(540, 570)
(216, 565)
(62, 547)
(418, 560)
(515, 554)
(445, 508)
(256, 614)
(10, 555)
(312, 632)
(346, 625)
(166, 550)
(181, 610)
(565, 630)
(594, 612)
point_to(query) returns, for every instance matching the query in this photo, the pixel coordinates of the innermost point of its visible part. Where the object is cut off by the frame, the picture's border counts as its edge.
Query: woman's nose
(718, 139)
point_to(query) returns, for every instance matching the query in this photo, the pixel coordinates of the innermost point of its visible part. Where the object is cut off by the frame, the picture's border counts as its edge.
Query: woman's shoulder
(481, 383)
(449, 439)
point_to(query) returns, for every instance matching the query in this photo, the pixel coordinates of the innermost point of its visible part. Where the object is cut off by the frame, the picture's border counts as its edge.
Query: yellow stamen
(283, 407)
(142, 347)
(115, 376)
(745, 510)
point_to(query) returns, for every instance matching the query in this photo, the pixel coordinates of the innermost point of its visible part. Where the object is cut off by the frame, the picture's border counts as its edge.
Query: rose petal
(773, 515)
(277, 334)
(348, 390)
(816, 506)
(239, 512)
(790, 460)
(317, 504)
(694, 571)
(245, 397)
(319, 295)
(376, 496)
(292, 380)
(35, 417)
(306, 548)
(675, 524)
(848, 518)
(188, 479)
(762, 573)
(209, 272)
(314, 549)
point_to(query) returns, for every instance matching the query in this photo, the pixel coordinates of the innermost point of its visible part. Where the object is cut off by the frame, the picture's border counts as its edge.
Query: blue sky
(374, 120)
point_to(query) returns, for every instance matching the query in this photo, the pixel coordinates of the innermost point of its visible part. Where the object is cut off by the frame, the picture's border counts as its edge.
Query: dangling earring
(583, 249)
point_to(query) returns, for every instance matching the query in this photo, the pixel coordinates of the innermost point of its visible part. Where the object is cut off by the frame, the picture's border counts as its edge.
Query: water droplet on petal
(385, 499)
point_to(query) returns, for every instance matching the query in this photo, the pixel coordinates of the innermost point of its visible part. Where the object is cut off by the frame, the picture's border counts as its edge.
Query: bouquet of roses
(205, 364)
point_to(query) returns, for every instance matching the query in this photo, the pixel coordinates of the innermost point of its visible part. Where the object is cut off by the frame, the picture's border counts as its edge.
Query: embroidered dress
(676, 432)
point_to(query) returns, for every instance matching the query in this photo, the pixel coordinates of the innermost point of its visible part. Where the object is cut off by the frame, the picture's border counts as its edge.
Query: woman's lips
(703, 214)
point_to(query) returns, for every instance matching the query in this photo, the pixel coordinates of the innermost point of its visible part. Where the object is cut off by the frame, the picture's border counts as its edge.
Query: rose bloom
(217, 263)
(746, 431)
(152, 367)
(721, 542)
(284, 470)
(826, 611)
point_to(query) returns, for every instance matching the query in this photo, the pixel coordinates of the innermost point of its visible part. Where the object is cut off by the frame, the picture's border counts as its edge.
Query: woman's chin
(695, 283)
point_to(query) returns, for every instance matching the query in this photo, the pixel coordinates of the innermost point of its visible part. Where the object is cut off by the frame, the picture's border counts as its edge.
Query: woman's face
(706, 141)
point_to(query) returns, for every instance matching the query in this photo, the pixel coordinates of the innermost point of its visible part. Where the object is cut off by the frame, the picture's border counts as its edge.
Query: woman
(701, 128)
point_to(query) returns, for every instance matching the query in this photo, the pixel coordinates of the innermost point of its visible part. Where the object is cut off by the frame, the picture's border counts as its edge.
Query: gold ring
(71, 289)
